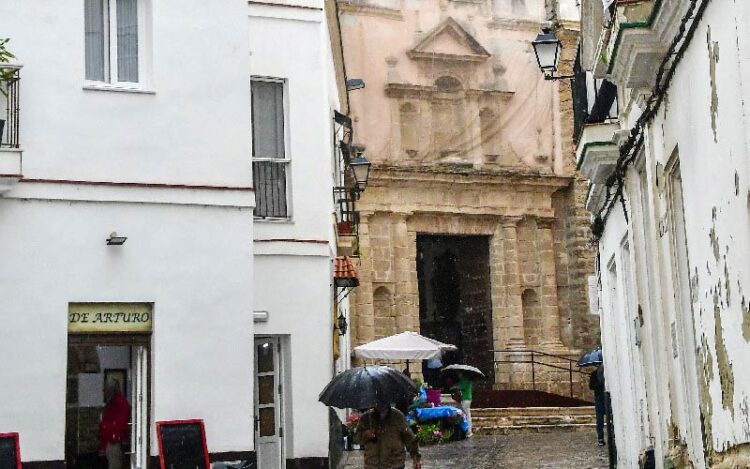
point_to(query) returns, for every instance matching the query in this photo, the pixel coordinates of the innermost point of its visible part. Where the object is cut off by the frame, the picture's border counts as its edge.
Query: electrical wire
(628, 151)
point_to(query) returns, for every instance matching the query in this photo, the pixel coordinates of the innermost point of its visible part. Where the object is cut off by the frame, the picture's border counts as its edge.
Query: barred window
(270, 162)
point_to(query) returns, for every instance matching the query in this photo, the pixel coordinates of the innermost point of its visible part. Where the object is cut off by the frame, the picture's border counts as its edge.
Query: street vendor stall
(423, 413)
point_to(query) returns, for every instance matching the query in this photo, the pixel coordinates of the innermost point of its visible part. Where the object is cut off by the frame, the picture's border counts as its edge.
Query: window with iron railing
(270, 159)
(10, 76)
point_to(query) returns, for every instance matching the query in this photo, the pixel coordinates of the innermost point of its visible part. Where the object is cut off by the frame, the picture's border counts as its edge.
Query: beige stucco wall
(509, 176)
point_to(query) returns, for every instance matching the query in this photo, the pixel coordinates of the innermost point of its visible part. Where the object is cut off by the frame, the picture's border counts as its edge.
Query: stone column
(512, 281)
(498, 289)
(405, 274)
(362, 312)
(550, 339)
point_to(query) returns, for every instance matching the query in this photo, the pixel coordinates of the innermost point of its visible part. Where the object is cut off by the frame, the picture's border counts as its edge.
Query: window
(113, 29)
(270, 162)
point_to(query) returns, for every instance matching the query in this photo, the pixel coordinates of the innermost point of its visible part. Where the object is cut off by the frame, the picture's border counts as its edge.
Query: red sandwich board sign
(10, 454)
(182, 444)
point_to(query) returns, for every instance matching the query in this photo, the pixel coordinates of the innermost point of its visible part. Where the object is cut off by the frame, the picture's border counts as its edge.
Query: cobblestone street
(558, 450)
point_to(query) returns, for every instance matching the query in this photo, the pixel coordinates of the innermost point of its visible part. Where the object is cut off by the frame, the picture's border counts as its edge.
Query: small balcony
(349, 184)
(636, 40)
(10, 151)
(597, 153)
(595, 112)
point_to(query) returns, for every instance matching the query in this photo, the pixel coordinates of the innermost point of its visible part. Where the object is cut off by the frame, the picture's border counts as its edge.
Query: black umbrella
(366, 386)
(471, 372)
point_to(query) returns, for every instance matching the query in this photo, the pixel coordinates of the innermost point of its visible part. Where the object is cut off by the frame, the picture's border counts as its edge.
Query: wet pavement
(556, 450)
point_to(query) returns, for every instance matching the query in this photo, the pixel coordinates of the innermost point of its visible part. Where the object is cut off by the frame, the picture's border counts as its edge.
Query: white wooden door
(268, 403)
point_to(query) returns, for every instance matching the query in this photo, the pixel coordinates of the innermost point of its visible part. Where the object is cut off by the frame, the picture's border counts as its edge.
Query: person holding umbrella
(596, 384)
(464, 387)
(384, 433)
(465, 374)
(382, 430)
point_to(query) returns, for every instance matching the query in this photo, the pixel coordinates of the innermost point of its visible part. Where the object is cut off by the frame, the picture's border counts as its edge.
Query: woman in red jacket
(113, 428)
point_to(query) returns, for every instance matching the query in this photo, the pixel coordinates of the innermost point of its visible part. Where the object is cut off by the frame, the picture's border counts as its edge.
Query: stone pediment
(450, 42)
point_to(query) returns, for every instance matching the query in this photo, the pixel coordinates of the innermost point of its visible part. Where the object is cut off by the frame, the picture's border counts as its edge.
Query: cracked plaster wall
(705, 118)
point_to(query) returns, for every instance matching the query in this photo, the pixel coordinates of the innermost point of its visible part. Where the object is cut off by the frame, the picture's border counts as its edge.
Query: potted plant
(345, 228)
(5, 76)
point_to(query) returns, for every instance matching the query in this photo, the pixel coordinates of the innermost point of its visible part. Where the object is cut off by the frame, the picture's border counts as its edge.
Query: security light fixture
(354, 84)
(361, 170)
(115, 240)
(547, 48)
(341, 324)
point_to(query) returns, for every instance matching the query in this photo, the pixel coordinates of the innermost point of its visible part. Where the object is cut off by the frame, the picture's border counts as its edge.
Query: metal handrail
(533, 362)
(536, 352)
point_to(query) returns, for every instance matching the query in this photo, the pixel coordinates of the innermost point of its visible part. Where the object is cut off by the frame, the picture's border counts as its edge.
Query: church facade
(472, 228)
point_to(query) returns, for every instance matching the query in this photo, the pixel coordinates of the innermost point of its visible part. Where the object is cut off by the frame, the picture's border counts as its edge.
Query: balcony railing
(10, 80)
(345, 191)
(270, 181)
(347, 216)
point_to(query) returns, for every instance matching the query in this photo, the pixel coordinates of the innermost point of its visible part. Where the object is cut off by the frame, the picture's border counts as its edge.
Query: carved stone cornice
(382, 175)
(510, 221)
(435, 56)
(369, 10)
(463, 195)
(407, 90)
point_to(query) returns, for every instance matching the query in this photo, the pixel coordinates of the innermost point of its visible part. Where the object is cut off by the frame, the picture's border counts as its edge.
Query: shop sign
(110, 317)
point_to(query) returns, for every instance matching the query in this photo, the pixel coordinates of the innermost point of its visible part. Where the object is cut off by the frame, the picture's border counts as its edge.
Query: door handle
(256, 422)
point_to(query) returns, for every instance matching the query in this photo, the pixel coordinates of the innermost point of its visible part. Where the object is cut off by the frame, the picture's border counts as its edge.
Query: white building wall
(292, 289)
(189, 250)
(703, 396)
(176, 257)
(294, 257)
(186, 127)
(617, 340)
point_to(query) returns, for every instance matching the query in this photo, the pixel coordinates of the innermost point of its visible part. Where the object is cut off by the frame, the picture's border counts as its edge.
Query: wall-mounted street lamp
(361, 170)
(115, 240)
(547, 48)
(341, 324)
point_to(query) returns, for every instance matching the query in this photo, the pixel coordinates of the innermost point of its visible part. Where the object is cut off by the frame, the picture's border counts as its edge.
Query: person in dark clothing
(384, 433)
(596, 384)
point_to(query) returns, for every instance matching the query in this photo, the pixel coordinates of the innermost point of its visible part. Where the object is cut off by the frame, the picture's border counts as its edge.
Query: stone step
(532, 420)
(516, 429)
(511, 411)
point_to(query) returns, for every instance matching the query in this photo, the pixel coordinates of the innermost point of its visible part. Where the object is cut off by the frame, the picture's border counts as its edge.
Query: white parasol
(403, 346)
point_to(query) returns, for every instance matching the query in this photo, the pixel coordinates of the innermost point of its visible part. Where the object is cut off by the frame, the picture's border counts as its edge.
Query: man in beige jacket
(384, 433)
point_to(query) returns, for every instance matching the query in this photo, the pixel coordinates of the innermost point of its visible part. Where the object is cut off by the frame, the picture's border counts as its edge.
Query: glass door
(268, 402)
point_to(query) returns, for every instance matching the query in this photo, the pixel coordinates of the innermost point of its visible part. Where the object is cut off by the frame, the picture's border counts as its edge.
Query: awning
(345, 275)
